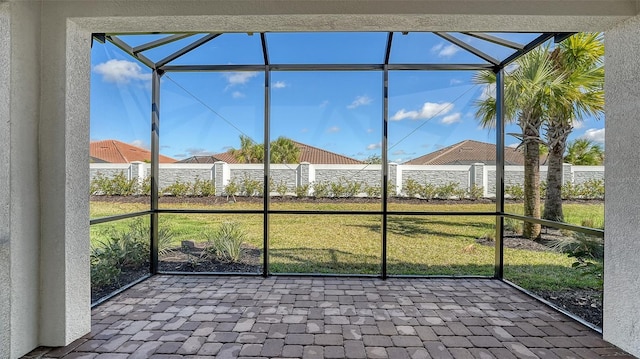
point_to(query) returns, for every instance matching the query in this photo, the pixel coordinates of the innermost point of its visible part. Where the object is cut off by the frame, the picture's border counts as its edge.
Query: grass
(351, 244)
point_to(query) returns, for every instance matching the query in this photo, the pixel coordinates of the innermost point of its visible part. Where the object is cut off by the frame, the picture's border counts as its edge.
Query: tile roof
(113, 151)
(308, 153)
(468, 152)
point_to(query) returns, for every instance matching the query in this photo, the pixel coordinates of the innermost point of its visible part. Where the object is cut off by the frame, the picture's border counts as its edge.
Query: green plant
(302, 191)
(411, 188)
(281, 188)
(428, 191)
(177, 189)
(225, 243)
(231, 189)
(320, 189)
(117, 185)
(251, 187)
(570, 191)
(203, 188)
(447, 190)
(592, 189)
(373, 191)
(145, 186)
(512, 225)
(475, 192)
(514, 191)
(338, 189)
(352, 188)
(391, 189)
(543, 189)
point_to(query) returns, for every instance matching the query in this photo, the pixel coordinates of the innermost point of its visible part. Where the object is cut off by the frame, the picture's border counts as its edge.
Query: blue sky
(205, 113)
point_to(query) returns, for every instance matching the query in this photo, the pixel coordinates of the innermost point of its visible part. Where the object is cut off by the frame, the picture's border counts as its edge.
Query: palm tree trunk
(557, 133)
(531, 187)
(553, 199)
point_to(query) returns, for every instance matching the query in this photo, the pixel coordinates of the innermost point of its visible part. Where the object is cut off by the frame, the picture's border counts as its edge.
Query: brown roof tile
(468, 152)
(308, 153)
(113, 151)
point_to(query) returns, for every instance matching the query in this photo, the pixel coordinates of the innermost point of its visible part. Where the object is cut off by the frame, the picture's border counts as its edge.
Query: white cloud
(370, 130)
(514, 145)
(577, 124)
(239, 78)
(139, 143)
(445, 51)
(594, 134)
(374, 146)
(399, 153)
(237, 94)
(196, 151)
(121, 71)
(304, 130)
(453, 118)
(279, 85)
(428, 110)
(333, 129)
(324, 103)
(360, 101)
(455, 82)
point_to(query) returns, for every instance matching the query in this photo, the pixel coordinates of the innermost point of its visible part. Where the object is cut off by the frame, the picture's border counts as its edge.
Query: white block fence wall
(293, 175)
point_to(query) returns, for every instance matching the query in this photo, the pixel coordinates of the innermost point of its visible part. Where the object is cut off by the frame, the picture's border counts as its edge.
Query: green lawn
(351, 244)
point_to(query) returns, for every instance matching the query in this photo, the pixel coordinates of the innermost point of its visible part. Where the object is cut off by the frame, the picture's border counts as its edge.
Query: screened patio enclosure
(411, 94)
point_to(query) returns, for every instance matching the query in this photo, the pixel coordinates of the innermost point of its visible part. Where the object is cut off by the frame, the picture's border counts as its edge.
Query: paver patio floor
(228, 317)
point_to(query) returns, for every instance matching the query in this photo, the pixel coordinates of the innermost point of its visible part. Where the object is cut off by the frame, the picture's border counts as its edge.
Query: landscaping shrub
(446, 191)
(251, 187)
(592, 189)
(512, 225)
(203, 188)
(373, 191)
(177, 189)
(338, 189)
(125, 250)
(232, 188)
(428, 191)
(225, 243)
(302, 191)
(321, 189)
(475, 192)
(352, 188)
(117, 185)
(514, 191)
(281, 188)
(411, 188)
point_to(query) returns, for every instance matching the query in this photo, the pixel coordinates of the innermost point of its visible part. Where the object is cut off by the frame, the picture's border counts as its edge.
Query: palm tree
(579, 61)
(584, 152)
(284, 150)
(249, 152)
(528, 89)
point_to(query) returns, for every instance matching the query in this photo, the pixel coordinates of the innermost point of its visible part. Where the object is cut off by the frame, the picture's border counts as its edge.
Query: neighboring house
(308, 153)
(113, 151)
(469, 152)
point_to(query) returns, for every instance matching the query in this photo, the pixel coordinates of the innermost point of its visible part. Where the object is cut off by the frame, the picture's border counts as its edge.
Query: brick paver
(230, 317)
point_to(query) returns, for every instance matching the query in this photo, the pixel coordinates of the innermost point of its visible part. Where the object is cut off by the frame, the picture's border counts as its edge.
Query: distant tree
(583, 152)
(283, 150)
(373, 160)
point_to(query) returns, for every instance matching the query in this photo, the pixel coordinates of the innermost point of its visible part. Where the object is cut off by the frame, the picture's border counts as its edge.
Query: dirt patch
(193, 258)
(584, 303)
(517, 242)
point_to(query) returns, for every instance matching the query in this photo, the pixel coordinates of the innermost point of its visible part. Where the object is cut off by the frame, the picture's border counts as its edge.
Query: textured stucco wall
(21, 181)
(622, 206)
(64, 180)
(5, 191)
